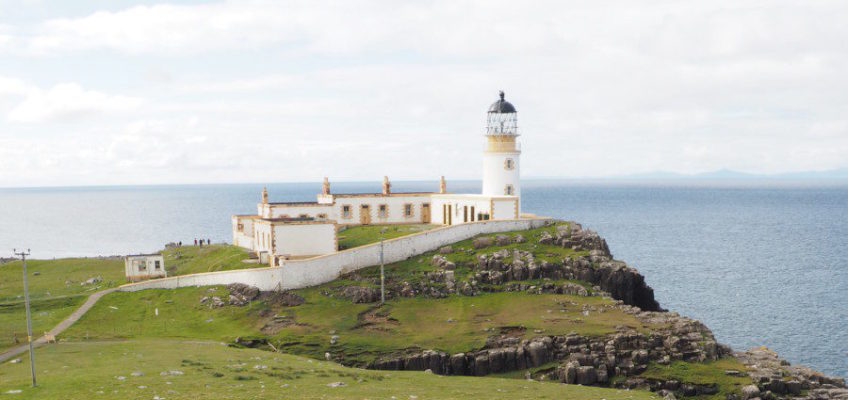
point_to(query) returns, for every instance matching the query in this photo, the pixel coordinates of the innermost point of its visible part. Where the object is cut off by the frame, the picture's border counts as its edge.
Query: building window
(322, 216)
(407, 210)
(156, 265)
(303, 216)
(509, 164)
(509, 190)
(346, 212)
(141, 265)
(383, 211)
(241, 227)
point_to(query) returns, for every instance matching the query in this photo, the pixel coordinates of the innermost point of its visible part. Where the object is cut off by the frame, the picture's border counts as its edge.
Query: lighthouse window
(383, 211)
(509, 190)
(346, 211)
(407, 210)
(509, 164)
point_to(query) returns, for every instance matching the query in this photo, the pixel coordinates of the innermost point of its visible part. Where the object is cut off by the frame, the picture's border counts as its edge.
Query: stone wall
(295, 274)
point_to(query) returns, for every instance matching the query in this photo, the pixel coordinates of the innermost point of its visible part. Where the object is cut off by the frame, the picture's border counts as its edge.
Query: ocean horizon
(761, 263)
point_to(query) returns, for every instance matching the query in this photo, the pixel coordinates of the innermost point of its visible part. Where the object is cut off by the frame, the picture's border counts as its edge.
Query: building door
(425, 213)
(472, 213)
(450, 214)
(365, 214)
(465, 214)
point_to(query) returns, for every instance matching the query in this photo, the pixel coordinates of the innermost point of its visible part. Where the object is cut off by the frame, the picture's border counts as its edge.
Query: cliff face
(598, 269)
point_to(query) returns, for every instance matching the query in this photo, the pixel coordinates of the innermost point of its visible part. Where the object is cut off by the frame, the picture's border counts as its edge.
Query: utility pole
(382, 271)
(23, 255)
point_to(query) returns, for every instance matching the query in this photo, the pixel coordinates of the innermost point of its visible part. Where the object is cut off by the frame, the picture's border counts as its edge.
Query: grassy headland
(178, 369)
(356, 236)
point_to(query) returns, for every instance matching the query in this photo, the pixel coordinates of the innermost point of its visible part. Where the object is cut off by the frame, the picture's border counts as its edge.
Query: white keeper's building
(301, 229)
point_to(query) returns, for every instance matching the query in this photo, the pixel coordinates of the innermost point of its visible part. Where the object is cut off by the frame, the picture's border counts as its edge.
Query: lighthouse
(501, 175)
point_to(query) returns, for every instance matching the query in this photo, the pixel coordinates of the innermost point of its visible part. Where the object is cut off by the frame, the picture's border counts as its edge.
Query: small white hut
(139, 267)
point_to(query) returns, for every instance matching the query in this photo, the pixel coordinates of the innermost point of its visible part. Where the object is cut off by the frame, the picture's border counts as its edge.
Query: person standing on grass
(195, 241)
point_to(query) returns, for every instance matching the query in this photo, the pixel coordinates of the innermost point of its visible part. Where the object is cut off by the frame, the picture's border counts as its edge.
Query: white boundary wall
(296, 274)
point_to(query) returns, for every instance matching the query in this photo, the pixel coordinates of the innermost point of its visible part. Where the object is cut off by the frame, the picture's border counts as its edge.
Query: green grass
(423, 323)
(356, 236)
(180, 315)
(56, 278)
(46, 313)
(217, 257)
(401, 324)
(91, 370)
(54, 290)
(707, 373)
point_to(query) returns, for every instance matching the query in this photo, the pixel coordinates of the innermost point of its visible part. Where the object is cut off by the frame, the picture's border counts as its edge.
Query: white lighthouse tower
(501, 175)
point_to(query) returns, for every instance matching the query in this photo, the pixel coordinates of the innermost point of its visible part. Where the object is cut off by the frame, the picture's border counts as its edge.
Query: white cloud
(295, 90)
(13, 86)
(67, 101)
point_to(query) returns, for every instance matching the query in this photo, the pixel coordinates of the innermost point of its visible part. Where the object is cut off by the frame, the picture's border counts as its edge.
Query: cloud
(295, 90)
(65, 102)
(13, 86)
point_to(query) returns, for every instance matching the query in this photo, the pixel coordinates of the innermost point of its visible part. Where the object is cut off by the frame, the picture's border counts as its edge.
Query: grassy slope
(361, 235)
(211, 370)
(707, 373)
(424, 323)
(402, 323)
(58, 277)
(193, 259)
(56, 291)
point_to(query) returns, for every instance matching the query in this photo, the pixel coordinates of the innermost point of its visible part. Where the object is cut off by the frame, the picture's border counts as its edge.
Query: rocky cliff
(624, 358)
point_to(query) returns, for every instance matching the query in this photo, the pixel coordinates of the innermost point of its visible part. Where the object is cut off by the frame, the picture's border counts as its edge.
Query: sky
(126, 92)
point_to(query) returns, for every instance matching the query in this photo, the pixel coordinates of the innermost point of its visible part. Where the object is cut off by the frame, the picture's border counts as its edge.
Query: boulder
(586, 375)
(457, 364)
(502, 240)
(482, 242)
(446, 250)
(519, 239)
(481, 365)
(546, 238)
(750, 392)
(570, 372)
(538, 351)
(361, 294)
(92, 281)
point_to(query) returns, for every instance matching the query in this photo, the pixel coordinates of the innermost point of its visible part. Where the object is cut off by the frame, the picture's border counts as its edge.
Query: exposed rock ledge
(585, 360)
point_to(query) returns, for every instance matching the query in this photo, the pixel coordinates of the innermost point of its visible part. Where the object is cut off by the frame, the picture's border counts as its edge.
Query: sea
(761, 265)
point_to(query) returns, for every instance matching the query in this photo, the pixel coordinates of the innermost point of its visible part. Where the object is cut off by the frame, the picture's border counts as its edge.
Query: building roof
(392, 194)
(296, 203)
(502, 106)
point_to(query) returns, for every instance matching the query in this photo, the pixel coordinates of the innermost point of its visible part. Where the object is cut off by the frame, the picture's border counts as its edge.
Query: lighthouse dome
(502, 106)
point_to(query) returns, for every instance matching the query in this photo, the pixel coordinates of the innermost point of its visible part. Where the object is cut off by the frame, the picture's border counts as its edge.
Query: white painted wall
(458, 202)
(394, 203)
(134, 271)
(296, 210)
(296, 274)
(262, 236)
(243, 238)
(496, 177)
(504, 208)
(309, 239)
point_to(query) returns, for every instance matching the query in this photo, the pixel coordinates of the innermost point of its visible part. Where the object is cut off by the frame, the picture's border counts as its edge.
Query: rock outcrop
(774, 377)
(584, 360)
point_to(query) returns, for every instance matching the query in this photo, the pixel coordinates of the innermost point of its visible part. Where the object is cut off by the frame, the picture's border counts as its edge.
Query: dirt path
(74, 317)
